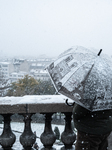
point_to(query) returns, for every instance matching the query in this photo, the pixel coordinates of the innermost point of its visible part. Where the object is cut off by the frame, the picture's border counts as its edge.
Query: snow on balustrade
(32, 104)
(33, 99)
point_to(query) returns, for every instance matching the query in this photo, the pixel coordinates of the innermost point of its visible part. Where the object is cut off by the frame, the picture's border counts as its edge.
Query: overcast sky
(36, 27)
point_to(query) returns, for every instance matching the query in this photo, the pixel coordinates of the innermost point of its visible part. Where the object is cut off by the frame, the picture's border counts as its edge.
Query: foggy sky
(36, 27)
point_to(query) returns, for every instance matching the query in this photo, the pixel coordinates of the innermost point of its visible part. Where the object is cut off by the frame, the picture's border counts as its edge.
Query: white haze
(36, 27)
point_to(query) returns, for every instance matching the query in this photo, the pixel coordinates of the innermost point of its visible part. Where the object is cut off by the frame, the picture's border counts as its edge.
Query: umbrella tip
(99, 52)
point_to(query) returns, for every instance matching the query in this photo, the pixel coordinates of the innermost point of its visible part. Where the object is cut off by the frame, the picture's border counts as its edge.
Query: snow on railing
(29, 105)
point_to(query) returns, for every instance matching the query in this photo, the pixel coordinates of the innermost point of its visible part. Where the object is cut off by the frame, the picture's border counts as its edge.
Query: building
(18, 68)
(6, 69)
(14, 76)
(37, 68)
(21, 65)
(40, 74)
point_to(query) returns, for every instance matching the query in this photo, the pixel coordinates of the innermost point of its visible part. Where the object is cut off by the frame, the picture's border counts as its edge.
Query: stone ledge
(33, 104)
(34, 108)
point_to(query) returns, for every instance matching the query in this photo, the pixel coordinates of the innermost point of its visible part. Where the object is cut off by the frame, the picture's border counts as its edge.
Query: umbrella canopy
(84, 77)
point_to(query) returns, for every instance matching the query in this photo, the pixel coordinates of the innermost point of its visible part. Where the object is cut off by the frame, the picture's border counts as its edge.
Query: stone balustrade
(29, 105)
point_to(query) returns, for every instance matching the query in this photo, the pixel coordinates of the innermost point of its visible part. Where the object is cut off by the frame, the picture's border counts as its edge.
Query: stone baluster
(68, 137)
(48, 137)
(28, 138)
(7, 138)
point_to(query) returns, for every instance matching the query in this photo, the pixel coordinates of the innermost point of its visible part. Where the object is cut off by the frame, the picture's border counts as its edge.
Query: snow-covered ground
(39, 128)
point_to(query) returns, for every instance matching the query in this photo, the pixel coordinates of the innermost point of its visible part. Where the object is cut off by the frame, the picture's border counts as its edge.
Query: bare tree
(4, 84)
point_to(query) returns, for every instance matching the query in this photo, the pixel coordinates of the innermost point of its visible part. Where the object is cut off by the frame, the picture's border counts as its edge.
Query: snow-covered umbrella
(83, 76)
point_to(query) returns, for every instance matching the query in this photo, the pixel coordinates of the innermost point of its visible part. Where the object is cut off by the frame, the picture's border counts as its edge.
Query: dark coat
(98, 122)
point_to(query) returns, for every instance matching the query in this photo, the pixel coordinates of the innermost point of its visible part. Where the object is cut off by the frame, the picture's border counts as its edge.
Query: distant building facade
(40, 74)
(6, 69)
(14, 76)
(18, 68)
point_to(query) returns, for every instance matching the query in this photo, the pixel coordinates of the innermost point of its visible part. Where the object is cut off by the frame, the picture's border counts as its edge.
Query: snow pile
(33, 99)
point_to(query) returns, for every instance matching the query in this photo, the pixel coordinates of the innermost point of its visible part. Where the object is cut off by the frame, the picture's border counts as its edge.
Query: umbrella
(83, 76)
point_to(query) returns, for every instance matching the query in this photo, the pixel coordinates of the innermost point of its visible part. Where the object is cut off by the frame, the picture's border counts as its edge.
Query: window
(20, 76)
(4, 65)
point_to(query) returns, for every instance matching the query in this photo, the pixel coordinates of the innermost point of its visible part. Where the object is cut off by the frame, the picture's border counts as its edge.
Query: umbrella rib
(87, 74)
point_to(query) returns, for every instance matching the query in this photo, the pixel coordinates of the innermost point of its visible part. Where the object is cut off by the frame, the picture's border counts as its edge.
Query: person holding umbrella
(93, 128)
(86, 78)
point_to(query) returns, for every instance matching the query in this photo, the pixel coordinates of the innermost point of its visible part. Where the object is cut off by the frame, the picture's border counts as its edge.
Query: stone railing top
(34, 104)
(33, 99)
